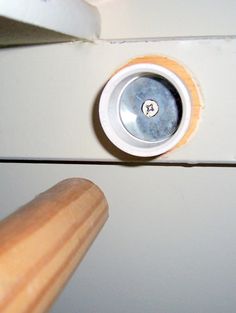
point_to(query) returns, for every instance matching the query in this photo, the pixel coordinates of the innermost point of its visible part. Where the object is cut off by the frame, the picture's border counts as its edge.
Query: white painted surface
(75, 18)
(165, 18)
(49, 93)
(168, 246)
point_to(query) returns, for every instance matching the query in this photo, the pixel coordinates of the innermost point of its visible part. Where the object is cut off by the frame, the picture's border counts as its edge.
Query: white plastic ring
(109, 111)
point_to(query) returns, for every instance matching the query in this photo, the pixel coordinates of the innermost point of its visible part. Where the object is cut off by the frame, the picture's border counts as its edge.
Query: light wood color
(42, 243)
(189, 82)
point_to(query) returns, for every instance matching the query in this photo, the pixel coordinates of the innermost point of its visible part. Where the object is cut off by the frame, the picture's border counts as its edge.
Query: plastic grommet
(145, 109)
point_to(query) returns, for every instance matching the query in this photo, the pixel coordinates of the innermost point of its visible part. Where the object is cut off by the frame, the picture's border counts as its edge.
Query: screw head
(150, 108)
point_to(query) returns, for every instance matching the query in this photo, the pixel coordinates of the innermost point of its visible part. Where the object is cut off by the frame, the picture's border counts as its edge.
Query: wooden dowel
(42, 243)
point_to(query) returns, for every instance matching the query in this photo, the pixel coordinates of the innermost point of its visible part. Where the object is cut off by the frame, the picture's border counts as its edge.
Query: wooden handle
(42, 243)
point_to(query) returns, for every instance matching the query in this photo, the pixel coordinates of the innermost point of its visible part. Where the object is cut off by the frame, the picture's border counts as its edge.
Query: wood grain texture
(189, 82)
(42, 243)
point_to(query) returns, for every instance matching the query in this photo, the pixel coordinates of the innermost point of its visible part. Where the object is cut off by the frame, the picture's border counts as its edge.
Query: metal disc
(150, 108)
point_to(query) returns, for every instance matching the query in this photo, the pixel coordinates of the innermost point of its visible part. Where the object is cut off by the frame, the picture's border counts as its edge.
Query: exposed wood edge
(189, 82)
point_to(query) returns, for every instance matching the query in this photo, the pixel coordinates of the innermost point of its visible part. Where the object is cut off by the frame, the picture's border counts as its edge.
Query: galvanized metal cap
(145, 109)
